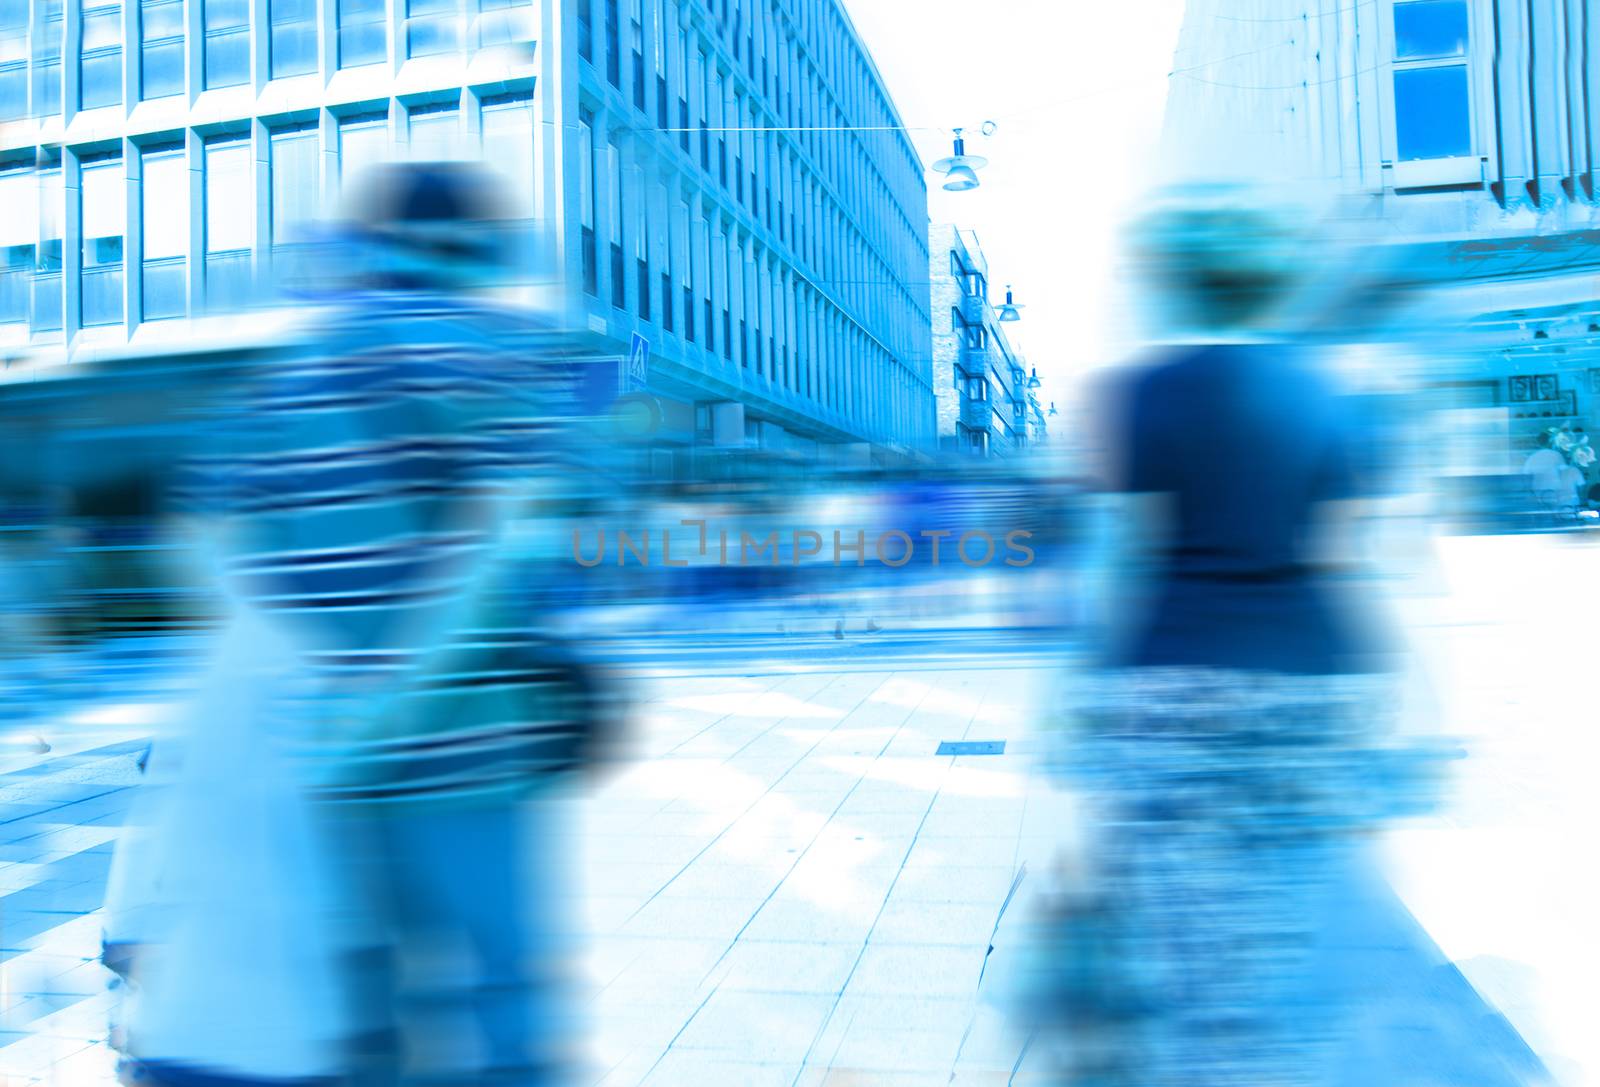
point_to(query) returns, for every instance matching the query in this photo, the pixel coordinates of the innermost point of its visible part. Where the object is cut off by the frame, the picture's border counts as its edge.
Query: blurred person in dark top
(359, 862)
(1233, 743)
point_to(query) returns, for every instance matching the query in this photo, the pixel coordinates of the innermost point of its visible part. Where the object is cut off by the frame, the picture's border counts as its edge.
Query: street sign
(638, 366)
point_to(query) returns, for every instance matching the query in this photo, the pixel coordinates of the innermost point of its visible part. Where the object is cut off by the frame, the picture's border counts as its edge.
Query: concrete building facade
(691, 172)
(986, 406)
(1465, 133)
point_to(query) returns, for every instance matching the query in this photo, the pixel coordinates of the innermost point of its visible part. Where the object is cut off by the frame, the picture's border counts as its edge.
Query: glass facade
(13, 60)
(432, 27)
(293, 41)
(363, 143)
(19, 234)
(100, 59)
(505, 22)
(229, 222)
(227, 47)
(435, 132)
(48, 31)
(363, 32)
(104, 214)
(48, 305)
(160, 48)
(1432, 88)
(165, 212)
(295, 183)
(586, 202)
(694, 238)
(613, 183)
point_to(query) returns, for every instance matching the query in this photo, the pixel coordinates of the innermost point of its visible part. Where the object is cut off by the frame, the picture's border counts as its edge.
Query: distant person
(1545, 473)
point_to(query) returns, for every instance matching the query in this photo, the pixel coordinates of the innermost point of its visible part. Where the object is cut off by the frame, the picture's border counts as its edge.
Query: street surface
(789, 886)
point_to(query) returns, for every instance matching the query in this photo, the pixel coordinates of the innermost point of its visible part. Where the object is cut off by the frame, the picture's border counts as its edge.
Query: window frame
(1441, 170)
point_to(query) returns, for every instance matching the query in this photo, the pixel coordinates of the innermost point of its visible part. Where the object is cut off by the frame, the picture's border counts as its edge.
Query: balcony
(977, 414)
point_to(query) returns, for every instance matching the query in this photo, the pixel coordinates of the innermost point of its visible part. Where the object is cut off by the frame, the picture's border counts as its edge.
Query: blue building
(694, 172)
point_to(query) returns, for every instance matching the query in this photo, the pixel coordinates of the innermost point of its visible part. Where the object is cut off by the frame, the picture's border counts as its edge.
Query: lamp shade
(1010, 311)
(960, 178)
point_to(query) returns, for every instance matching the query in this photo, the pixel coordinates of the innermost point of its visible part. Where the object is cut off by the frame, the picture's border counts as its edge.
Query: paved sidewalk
(788, 878)
(789, 885)
(60, 814)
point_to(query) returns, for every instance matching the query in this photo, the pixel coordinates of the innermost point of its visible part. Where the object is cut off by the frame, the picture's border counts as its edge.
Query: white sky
(1077, 88)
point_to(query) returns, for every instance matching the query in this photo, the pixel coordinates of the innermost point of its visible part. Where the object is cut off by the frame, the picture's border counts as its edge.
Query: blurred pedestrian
(1230, 748)
(361, 884)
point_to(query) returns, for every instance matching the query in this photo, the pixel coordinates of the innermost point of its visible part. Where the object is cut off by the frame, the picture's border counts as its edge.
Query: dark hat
(434, 223)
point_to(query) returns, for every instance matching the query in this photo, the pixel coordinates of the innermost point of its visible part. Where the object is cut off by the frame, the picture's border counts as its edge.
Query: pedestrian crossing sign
(638, 367)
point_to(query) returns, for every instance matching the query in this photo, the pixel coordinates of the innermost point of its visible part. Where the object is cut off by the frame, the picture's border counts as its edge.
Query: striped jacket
(363, 487)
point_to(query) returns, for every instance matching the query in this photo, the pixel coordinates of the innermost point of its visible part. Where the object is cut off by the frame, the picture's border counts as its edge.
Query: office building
(722, 179)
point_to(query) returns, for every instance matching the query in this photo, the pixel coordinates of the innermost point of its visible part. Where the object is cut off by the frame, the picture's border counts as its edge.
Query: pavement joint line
(912, 712)
(669, 752)
(889, 892)
(719, 835)
(674, 1040)
(748, 921)
(702, 731)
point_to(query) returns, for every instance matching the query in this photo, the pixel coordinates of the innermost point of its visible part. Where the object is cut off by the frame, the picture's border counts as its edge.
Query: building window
(685, 265)
(586, 201)
(586, 30)
(47, 35)
(505, 22)
(641, 248)
(164, 200)
(161, 48)
(13, 60)
(613, 180)
(227, 54)
(613, 45)
(100, 63)
(19, 237)
(738, 149)
(363, 32)
(431, 27)
(507, 127)
(662, 7)
(683, 89)
(434, 132)
(705, 125)
(294, 37)
(295, 183)
(105, 214)
(363, 144)
(507, 135)
(727, 298)
(717, 115)
(47, 285)
(1432, 99)
(230, 221)
(709, 329)
(636, 31)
